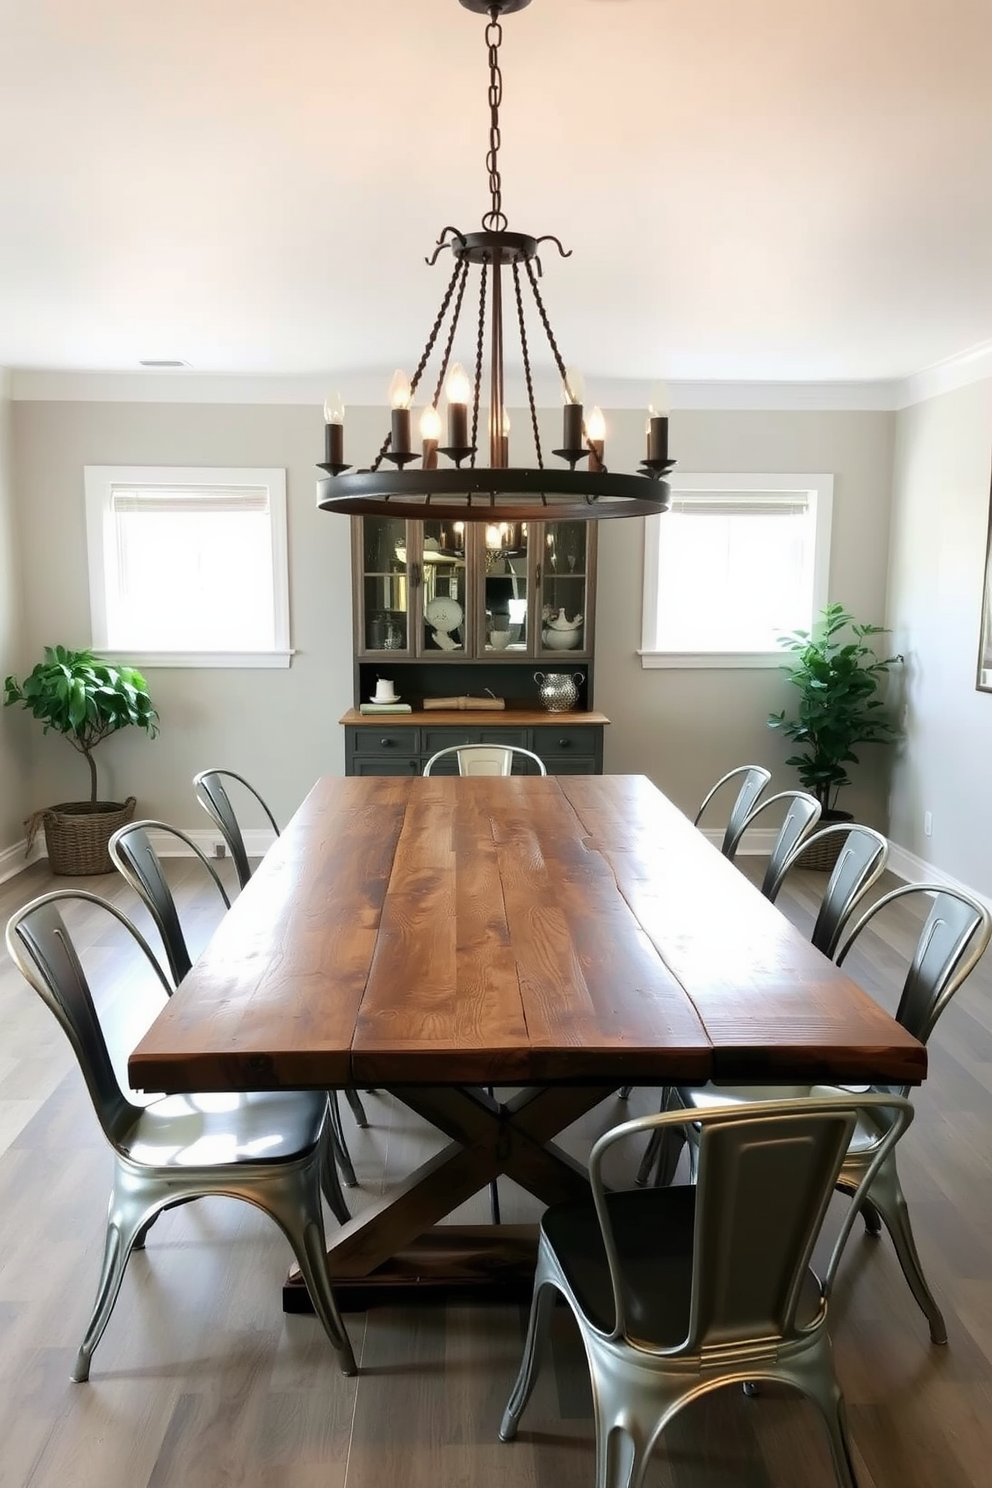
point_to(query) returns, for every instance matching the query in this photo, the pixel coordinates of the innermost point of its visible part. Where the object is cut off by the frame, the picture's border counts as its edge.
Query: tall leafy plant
(838, 676)
(84, 698)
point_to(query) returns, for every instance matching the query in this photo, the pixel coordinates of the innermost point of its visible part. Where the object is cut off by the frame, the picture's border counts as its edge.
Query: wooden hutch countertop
(521, 717)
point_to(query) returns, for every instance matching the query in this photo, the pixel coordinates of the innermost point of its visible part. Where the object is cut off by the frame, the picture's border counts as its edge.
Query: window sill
(726, 660)
(146, 660)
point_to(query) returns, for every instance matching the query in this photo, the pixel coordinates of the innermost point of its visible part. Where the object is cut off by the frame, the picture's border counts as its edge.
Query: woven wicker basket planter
(77, 833)
(822, 856)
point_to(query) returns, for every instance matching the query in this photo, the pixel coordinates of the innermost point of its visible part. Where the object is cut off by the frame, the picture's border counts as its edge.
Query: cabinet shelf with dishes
(478, 614)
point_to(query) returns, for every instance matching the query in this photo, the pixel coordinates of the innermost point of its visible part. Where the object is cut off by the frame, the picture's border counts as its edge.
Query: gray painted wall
(280, 727)
(940, 515)
(14, 752)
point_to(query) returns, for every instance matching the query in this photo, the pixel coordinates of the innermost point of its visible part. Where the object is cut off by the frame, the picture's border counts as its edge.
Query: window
(188, 567)
(738, 561)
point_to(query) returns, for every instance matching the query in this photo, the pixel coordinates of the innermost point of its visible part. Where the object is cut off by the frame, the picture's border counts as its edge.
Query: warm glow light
(430, 424)
(573, 389)
(504, 423)
(658, 402)
(459, 527)
(596, 426)
(399, 391)
(493, 539)
(458, 386)
(334, 408)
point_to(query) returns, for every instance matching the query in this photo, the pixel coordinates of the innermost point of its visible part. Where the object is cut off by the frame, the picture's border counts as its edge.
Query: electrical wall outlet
(928, 823)
(220, 849)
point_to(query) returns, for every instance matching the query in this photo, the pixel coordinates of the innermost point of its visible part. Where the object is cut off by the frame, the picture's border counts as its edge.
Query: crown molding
(974, 365)
(365, 388)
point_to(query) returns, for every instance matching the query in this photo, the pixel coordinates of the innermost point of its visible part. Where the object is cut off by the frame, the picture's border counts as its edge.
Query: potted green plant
(85, 699)
(839, 677)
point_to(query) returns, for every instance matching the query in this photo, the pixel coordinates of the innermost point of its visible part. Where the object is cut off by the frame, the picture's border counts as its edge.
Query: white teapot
(561, 634)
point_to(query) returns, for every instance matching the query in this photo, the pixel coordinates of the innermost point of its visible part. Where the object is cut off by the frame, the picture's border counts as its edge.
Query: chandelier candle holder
(509, 268)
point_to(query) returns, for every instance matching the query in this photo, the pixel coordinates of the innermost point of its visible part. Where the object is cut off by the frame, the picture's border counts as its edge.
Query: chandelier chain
(495, 219)
(559, 361)
(479, 349)
(443, 370)
(527, 371)
(460, 270)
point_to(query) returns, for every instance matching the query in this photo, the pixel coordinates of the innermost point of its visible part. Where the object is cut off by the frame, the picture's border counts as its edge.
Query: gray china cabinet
(468, 611)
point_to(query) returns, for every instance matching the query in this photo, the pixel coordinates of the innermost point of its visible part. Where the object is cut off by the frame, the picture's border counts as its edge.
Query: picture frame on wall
(983, 681)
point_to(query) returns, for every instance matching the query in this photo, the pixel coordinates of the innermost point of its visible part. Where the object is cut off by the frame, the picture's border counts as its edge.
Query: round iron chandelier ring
(470, 495)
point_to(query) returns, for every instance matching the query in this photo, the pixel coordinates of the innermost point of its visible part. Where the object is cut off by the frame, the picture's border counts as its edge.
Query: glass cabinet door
(384, 621)
(565, 569)
(443, 584)
(503, 564)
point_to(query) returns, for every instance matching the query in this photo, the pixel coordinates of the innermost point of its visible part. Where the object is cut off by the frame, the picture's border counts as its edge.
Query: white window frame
(100, 482)
(818, 489)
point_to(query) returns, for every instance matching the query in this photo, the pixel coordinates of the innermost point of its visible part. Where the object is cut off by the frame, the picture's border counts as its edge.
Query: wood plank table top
(527, 931)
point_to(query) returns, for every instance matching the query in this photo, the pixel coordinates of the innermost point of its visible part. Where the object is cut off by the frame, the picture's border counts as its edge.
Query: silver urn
(558, 691)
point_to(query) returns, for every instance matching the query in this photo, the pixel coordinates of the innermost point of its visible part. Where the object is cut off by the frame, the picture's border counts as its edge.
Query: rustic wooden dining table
(560, 935)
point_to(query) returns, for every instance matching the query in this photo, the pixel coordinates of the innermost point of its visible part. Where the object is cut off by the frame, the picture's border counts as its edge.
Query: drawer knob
(387, 743)
(564, 743)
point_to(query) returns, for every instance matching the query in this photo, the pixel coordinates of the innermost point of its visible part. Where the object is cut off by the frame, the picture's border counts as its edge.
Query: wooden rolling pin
(466, 704)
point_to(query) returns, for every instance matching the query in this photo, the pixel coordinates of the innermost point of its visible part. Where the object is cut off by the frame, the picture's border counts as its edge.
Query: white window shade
(737, 562)
(189, 566)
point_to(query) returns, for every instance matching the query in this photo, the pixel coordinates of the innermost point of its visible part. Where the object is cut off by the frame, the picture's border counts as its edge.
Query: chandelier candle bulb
(458, 390)
(430, 434)
(572, 426)
(399, 397)
(658, 423)
(334, 429)
(596, 436)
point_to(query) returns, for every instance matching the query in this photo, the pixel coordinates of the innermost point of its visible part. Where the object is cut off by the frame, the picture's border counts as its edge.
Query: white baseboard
(257, 841)
(907, 865)
(759, 841)
(14, 860)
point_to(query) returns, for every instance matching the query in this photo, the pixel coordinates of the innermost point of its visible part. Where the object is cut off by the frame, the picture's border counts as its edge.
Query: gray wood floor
(202, 1381)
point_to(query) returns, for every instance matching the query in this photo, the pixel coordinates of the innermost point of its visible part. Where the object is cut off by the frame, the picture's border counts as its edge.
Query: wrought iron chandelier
(498, 491)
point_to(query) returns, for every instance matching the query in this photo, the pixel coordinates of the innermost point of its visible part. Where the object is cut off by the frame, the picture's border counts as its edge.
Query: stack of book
(385, 708)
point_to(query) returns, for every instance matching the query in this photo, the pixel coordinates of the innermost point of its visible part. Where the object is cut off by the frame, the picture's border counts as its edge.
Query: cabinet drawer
(444, 738)
(575, 764)
(372, 764)
(554, 743)
(384, 740)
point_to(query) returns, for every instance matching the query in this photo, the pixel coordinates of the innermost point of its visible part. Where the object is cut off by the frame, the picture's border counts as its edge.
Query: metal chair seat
(259, 1127)
(267, 1149)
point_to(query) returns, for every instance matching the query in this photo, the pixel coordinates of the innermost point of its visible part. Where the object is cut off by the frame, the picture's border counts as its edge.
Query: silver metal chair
(179, 1148)
(953, 939)
(213, 796)
(754, 778)
(802, 814)
(680, 1291)
(133, 853)
(486, 759)
(860, 863)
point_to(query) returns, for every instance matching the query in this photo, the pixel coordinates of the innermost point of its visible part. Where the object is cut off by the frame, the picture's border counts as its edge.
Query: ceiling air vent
(164, 362)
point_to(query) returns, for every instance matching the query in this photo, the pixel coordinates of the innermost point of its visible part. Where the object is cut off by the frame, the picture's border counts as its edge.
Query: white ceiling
(753, 189)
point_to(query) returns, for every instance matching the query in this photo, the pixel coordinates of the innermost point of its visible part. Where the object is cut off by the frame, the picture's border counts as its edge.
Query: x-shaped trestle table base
(395, 1246)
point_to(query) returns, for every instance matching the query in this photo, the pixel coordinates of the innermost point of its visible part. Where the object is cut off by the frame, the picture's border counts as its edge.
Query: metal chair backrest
(755, 778)
(42, 949)
(950, 944)
(215, 800)
(802, 814)
(767, 1171)
(860, 863)
(131, 850)
(486, 759)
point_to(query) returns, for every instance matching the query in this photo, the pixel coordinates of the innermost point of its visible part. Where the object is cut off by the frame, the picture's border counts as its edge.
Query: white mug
(384, 691)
